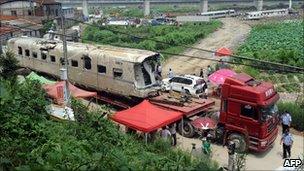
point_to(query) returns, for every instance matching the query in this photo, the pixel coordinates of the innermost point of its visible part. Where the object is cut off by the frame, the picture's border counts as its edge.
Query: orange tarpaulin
(146, 117)
(56, 91)
(223, 52)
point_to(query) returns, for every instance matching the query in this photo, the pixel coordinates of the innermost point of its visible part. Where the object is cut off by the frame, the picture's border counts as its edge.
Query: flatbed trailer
(189, 109)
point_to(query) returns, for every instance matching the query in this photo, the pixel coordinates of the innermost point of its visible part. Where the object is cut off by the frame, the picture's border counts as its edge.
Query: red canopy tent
(56, 91)
(223, 51)
(146, 117)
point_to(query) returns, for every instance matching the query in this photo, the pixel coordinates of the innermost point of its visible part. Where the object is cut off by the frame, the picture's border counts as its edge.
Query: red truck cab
(248, 114)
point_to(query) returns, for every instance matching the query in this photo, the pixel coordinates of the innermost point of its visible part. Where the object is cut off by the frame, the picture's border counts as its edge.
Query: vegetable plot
(278, 42)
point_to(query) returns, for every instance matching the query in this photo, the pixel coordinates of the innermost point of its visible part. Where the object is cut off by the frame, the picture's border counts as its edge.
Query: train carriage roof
(124, 54)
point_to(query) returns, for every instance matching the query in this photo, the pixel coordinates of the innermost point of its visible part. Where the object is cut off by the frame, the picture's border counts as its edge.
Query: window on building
(19, 50)
(27, 52)
(29, 12)
(117, 73)
(101, 69)
(43, 56)
(53, 58)
(249, 111)
(87, 62)
(34, 54)
(56, 12)
(74, 63)
(14, 13)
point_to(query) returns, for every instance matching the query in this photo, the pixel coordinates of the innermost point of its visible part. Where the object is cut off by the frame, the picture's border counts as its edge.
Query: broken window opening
(20, 50)
(117, 72)
(43, 55)
(87, 62)
(27, 52)
(74, 63)
(53, 58)
(146, 75)
(34, 54)
(101, 69)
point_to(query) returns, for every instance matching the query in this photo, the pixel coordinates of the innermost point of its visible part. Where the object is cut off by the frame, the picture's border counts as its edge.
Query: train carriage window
(19, 50)
(74, 63)
(117, 73)
(53, 58)
(27, 52)
(87, 62)
(34, 54)
(249, 111)
(101, 69)
(43, 55)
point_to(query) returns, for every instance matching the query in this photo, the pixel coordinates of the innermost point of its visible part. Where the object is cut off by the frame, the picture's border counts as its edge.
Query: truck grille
(199, 91)
(271, 125)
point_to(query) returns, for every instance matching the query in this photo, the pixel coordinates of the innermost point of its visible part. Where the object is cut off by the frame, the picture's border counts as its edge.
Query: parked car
(192, 84)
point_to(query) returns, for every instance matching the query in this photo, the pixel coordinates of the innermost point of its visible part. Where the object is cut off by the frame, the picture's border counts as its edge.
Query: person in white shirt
(287, 141)
(286, 121)
(173, 133)
(170, 74)
(165, 133)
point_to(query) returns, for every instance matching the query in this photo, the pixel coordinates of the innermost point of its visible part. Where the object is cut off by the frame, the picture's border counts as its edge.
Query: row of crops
(277, 42)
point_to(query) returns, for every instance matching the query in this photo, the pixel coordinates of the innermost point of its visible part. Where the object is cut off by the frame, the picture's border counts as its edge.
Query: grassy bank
(173, 35)
(296, 111)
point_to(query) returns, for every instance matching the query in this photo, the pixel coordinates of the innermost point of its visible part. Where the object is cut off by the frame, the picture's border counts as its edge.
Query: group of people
(168, 133)
(287, 139)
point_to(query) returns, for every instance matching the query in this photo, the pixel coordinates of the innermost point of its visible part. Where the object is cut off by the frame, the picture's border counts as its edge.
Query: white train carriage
(219, 14)
(265, 14)
(123, 71)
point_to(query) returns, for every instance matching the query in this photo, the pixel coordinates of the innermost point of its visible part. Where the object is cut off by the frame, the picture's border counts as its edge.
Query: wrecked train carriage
(122, 71)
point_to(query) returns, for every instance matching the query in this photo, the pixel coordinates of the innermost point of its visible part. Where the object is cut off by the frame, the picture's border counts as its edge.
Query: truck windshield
(268, 112)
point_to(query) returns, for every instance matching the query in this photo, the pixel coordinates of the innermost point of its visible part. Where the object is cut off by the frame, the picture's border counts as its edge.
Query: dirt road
(230, 35)
(270, 160)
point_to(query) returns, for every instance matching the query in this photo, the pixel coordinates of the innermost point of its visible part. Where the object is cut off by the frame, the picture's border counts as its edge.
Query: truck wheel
(239, 140)
(187, 92)
(188, 129)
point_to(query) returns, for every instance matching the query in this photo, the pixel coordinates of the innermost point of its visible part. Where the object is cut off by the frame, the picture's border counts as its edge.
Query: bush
(296, 111)
(30, 141)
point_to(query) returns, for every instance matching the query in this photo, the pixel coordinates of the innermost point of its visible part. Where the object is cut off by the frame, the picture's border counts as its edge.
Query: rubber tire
(188, 129)
(187, 92)
(240, 143)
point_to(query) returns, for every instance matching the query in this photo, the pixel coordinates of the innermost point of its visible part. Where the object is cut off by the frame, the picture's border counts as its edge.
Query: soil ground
(232, 33)
(269, 160)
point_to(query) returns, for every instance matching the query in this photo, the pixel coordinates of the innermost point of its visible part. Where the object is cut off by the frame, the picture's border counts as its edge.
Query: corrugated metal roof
(6, 30)
(40, 2)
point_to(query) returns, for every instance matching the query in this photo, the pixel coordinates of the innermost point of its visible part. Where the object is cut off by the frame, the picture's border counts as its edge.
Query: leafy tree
(8, 66)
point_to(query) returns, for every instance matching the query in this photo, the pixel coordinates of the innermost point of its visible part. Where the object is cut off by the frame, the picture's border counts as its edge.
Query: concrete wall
(146, 7)
(18, 8)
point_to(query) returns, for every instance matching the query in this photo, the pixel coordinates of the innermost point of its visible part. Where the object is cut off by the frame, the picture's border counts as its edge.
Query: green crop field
(174, 36)
(277, 42)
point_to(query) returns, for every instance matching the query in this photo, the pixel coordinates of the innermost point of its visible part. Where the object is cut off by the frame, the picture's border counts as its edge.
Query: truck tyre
(188, 130)
(239, 140)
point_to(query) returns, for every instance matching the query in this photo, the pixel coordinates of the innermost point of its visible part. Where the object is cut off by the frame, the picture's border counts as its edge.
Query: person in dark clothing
(201, 73)
(287, 141)
(173, 133)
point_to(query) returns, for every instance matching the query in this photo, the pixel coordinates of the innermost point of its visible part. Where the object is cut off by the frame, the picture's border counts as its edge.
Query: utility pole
(64, 71)
(0, 40)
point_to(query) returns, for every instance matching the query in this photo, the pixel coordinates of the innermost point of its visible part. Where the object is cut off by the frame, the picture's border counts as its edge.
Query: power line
(263, 67)
(190, 47)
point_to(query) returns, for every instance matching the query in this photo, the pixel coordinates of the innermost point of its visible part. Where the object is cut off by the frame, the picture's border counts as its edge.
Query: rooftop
(6, 30)
(40, 2)
(123, 54)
